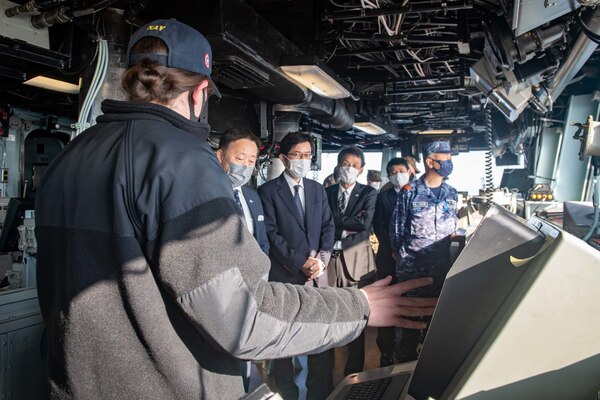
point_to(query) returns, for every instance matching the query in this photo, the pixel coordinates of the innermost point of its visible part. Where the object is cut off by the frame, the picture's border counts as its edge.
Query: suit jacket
(291, 240)
(255, 206)
(357, 217)
(384, 208)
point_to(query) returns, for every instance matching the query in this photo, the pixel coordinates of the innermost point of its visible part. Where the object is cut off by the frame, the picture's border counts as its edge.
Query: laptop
(494, 332)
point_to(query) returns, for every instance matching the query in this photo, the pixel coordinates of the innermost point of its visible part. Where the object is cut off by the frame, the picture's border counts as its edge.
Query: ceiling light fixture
(313, 74)
(53, 84)
(369, 127)
(437, 132)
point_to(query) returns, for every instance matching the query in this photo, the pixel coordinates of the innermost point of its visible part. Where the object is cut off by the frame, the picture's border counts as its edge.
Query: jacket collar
(422, 187)
(334, 192)
(119, 110)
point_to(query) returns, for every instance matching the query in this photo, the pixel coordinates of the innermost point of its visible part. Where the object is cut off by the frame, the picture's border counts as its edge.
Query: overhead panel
(529, 14)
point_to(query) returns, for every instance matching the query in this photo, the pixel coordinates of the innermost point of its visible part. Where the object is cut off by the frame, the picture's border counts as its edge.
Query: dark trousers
(319, 381)
(244, 367)
(356, 355)
(385, 336)
(385, 344)
(408, 342)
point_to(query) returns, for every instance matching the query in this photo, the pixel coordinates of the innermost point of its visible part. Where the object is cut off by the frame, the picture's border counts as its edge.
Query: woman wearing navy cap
(149, 282)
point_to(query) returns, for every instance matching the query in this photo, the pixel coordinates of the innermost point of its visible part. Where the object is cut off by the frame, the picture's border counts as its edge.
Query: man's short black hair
(396, 161)
(352, 150)
(234, 134)
(294, 138)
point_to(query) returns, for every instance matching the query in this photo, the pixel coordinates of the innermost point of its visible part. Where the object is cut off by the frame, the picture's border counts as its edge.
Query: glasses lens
(304, 156)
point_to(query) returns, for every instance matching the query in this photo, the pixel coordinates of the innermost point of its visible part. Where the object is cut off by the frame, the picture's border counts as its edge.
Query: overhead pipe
(419, 102)
(60, 15)
(448, 39)
(424, 79)
(581, 51)
(365, 37)
(63, 14)
(408, 9)
(30, 7)
(379, 50)
(337, 113)
(27, 8)
(396, 64)
(426, 89)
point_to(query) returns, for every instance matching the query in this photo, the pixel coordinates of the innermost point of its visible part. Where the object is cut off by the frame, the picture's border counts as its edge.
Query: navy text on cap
(188, 49)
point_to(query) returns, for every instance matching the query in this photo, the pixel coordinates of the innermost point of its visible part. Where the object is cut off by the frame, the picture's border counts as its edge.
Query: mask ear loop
(193, 116)
(191, 106)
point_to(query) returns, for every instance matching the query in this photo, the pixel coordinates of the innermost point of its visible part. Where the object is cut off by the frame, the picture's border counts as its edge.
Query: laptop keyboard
(376, 389)
(371, 390)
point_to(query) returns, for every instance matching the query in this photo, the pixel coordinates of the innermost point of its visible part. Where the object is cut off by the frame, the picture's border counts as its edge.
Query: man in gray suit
(353, 206)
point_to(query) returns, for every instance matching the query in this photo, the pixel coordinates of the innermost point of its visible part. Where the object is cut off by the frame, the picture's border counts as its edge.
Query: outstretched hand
(389, 306)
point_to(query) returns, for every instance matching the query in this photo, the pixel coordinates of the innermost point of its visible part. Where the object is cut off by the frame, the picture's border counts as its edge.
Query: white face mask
(400, 179)
(239, 174)
(299, 168)
(348, 175)
(375, 185)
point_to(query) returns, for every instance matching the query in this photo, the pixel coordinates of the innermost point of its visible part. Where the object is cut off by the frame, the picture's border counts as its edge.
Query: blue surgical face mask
(445, 168)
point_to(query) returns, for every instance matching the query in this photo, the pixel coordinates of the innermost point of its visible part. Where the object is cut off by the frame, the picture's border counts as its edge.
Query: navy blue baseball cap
(438, 146)
(188, 49)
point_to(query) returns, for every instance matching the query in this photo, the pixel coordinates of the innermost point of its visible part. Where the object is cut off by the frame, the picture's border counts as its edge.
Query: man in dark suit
(398, 176)
(300, 231)
(237, 153)
(353, 206)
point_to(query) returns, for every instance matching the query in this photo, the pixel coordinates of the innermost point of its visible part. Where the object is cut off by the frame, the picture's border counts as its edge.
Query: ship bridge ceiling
(411, 66)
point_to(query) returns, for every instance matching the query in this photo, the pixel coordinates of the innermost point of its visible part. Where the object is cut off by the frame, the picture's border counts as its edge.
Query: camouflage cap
(374, 175)
(438, 146)
(413, 163)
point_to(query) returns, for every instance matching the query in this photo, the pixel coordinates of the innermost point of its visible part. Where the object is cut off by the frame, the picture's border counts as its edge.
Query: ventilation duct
(247, 52)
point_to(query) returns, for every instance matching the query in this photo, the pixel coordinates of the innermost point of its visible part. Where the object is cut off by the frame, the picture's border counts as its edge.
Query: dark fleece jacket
(149, 283)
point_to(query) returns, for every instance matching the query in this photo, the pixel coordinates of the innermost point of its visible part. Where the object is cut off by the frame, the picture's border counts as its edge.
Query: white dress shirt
(346, 192)
(246, 209)
(291, 183)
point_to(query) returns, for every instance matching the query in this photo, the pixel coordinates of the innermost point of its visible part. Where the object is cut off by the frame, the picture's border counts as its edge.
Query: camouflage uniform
(421, 229)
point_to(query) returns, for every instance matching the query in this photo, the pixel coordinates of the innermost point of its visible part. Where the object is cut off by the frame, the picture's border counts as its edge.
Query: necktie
(298, 201)
(342, 202)
(237, 199)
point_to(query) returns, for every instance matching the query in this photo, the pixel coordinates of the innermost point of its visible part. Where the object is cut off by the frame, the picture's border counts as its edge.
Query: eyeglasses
(299, 156)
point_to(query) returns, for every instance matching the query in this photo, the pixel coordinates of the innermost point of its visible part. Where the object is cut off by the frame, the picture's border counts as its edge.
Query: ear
(196, 95)
(220, 156)
(282, 158)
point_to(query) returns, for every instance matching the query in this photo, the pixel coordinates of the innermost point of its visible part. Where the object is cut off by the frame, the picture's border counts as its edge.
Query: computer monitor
(518, 317)
(9, 239)
(515, 179)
